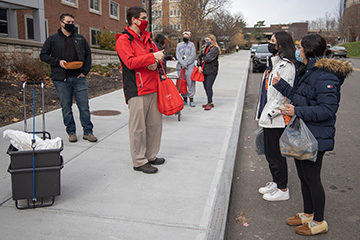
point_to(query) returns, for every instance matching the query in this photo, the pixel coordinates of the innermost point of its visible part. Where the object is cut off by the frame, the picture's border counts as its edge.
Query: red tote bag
(181, 82)
(196, 75)
(169, 99)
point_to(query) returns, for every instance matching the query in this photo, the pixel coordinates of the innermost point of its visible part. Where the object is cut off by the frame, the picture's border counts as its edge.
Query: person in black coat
(160, 40)
(59, 49)
(208, 64)
(315, 99)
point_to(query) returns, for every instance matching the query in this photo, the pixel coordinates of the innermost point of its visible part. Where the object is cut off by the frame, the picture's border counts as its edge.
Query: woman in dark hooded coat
(315, 99)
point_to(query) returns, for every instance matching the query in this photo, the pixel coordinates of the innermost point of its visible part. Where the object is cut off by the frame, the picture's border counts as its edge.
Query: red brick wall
(83, 17)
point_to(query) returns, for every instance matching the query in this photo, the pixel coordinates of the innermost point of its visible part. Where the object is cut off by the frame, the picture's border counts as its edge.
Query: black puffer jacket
(210, 59)
(316, 97)
(53, 49)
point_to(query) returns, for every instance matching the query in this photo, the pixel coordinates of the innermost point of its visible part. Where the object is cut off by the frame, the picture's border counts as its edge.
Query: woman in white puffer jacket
(269, 116)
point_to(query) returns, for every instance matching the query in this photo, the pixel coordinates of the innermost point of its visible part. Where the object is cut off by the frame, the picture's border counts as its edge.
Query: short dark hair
(62, 16)
(286, 45)
(314, 45)
(160, 38)
(133, 12)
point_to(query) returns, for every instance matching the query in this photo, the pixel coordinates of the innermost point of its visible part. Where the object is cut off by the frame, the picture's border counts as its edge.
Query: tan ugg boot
(311, 228)
(298, 219)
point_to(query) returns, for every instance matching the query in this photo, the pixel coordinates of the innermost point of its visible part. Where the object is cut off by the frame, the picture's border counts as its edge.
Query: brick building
(297, 29)
(350, 26)
(22, 18)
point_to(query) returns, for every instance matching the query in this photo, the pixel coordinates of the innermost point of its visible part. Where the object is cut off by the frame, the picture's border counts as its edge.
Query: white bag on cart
(22, 141)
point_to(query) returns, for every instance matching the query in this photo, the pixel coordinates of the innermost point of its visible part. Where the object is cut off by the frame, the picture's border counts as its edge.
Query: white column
(39, 22)
(12, 24)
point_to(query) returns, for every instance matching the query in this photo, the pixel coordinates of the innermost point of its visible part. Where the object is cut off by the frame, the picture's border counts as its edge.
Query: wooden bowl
(73, 65)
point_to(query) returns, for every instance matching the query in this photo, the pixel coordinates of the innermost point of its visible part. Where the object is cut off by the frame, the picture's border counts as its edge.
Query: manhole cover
(105, 113)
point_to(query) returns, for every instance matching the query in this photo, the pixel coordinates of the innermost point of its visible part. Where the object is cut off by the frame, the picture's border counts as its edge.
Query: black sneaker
(157, 161)
(146, 168)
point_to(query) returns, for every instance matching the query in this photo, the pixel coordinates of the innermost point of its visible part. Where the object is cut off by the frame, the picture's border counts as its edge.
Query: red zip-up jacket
(135, 55)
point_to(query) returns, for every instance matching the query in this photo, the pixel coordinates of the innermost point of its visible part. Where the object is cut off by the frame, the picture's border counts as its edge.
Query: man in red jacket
(139, 59)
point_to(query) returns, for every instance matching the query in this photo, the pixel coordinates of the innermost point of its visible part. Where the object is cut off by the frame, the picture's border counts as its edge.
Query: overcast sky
(283, 11)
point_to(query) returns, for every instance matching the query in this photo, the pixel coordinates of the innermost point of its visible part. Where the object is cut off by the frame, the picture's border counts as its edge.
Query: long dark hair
(286, 46)
(160, 38)
(314, 45)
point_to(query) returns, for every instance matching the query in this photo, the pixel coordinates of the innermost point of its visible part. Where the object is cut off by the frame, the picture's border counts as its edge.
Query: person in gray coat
(185, 54)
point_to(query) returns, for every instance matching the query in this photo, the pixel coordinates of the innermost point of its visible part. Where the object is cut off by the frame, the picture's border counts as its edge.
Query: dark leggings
(277, 163)
(311, 188)
(208, 84)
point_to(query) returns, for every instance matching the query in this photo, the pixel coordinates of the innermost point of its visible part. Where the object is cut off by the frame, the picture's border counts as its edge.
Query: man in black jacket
(59, 49)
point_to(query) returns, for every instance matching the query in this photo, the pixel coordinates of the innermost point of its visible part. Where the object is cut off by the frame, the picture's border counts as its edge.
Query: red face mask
(142, 25)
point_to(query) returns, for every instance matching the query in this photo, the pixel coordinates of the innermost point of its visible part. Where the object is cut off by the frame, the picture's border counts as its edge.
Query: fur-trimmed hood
(340, 68)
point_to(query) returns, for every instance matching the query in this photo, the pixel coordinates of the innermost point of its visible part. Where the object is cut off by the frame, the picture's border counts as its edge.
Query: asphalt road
(251, 217)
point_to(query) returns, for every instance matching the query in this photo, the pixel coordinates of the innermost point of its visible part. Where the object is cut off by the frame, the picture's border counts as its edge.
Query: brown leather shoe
(146, 168)
(157, 161)
(90, 137)
(72, 137)
(311, 228)
(298, 219)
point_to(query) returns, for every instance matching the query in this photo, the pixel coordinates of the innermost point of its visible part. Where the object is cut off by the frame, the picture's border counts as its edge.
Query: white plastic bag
(259, 141)
(298, 142)
(22, 141)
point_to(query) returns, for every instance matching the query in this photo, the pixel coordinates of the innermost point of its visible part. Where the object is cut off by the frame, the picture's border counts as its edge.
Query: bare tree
(197, 15)
(226, 24)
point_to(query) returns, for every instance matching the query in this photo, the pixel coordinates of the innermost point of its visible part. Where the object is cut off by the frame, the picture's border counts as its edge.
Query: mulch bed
(11, 95)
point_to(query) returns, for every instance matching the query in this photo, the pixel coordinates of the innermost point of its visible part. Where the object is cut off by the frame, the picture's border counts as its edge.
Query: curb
(217, 206)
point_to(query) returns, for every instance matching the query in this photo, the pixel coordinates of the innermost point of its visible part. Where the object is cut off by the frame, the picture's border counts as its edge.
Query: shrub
(23, 63)
(3, 64)
(102, 70)
(106, 40)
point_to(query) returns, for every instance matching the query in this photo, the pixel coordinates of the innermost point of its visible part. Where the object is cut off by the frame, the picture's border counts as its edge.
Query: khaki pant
(145, 128)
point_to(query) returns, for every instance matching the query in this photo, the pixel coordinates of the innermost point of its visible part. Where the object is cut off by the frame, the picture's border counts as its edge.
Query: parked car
(338, 51)
(253, 49)
(260, 58)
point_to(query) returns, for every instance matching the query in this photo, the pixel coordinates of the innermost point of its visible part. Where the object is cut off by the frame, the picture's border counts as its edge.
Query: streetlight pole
(150, 16)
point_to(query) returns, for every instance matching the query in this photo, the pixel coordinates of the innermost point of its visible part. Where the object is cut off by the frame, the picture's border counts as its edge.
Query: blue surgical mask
(297, 56)
(208, 43)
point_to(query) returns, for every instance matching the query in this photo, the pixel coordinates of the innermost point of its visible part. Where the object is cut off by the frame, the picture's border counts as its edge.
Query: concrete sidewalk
(102, 197)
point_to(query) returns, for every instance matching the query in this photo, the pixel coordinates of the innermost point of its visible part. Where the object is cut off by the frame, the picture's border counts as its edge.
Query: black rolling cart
(35, 174)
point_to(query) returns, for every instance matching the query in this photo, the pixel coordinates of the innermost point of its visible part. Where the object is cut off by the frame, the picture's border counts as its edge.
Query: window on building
(29, 28)
(156, 13)
(126, 8)
(176, 27)
(157, 27)
(93, 33)
(114, 10)
(77, 30)
(71, 3)
(95, 6)
(3, 22)
(174, 0)
(144, 4)
(174, 13)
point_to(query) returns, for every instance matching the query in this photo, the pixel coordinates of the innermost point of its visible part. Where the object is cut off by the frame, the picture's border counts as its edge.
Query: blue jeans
(76, 87)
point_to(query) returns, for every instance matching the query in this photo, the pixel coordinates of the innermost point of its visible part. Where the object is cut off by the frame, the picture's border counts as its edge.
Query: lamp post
(150, 16)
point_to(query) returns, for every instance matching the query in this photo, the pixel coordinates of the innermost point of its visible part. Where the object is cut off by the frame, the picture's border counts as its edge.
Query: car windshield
(262, 49)
(254, 48)
(338, 48)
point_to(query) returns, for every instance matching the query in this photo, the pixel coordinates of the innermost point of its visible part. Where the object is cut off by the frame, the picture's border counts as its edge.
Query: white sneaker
(277, 195)
(268, 188)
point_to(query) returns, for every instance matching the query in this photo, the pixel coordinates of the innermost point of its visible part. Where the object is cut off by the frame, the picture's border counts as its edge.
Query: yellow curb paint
(356, 69)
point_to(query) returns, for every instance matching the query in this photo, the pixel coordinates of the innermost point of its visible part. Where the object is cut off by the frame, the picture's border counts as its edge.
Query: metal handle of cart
(44, 133)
